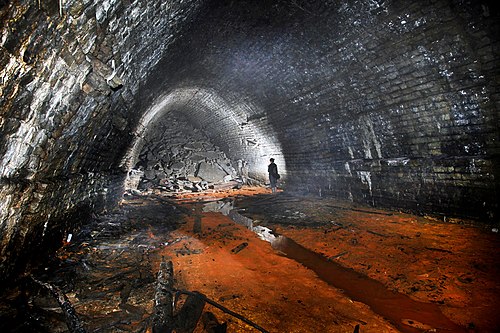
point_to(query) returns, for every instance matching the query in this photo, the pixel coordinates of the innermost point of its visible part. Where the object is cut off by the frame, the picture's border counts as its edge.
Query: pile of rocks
(176, 162)
(182, 184)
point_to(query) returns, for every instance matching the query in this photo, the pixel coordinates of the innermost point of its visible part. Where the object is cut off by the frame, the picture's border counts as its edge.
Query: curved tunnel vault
(390, 103)
(226, 121)
(375, 102)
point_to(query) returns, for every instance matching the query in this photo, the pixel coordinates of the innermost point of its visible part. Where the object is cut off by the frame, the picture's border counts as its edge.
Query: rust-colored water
(395, 307)
(434, 267)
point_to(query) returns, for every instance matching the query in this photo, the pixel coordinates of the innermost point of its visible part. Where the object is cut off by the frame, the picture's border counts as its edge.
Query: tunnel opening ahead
(192, 139)
(178, 157)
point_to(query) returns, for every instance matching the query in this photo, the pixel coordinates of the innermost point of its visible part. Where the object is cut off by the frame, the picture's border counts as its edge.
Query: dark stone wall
(68, 81)
(391, 103)
(408, 115)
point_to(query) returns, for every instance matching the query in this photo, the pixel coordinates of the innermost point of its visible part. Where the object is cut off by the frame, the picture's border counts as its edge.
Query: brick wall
(391, 103)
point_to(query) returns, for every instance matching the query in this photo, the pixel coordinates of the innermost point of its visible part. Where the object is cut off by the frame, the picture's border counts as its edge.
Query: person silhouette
(272, 169)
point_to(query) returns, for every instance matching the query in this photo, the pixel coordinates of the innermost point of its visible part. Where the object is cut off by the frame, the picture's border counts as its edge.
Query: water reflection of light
(223, 207)
(265, 234)
(262, 232)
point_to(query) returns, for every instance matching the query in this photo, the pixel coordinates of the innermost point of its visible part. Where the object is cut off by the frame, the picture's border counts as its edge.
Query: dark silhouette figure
(273, 175)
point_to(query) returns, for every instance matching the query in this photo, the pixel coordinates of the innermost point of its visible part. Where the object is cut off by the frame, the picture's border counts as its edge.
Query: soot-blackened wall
(68, 80)
(392, 103)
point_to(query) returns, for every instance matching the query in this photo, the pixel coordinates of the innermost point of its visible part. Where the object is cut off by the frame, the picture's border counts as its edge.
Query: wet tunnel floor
(108, 271)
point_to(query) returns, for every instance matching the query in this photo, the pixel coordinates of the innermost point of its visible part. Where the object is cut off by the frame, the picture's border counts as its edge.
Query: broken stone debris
(178, 162)
(207, 176)
(211, 172)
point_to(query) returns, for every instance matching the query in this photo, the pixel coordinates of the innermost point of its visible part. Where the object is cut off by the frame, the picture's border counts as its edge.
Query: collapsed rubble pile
(172, 161)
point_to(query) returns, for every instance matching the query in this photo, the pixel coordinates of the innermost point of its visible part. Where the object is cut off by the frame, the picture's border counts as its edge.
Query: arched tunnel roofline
(393, 104)
(233, 114)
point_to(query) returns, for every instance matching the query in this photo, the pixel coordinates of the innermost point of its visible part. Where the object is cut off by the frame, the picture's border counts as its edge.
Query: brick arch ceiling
(226, 121)
(389, 103)
(392, 103)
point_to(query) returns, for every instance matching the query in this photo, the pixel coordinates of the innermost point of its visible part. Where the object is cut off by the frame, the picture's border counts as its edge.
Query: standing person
(273, 174)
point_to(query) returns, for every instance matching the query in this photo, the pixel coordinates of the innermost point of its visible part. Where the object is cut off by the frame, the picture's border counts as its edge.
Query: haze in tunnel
(226, 122)
(387, 103)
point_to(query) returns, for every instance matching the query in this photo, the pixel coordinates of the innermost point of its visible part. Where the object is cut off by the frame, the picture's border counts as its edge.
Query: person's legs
(273, 182)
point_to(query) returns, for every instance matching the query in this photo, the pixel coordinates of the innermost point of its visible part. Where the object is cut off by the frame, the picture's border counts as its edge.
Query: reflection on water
(403, 312)
(265, 234)
(220, 206)
(226, 208)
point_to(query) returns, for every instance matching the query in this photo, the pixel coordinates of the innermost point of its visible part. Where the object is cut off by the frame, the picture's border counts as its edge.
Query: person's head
(272, 160)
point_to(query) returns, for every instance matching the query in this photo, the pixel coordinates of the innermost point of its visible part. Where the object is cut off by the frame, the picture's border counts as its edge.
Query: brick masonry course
(389, 103)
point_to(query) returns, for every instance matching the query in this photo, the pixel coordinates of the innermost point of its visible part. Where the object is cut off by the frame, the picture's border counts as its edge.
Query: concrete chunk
(210, 172)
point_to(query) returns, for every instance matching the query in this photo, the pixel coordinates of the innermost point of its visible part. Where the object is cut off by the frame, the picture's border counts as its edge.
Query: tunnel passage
(192, 132)
(376, 102)
(391, 103)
